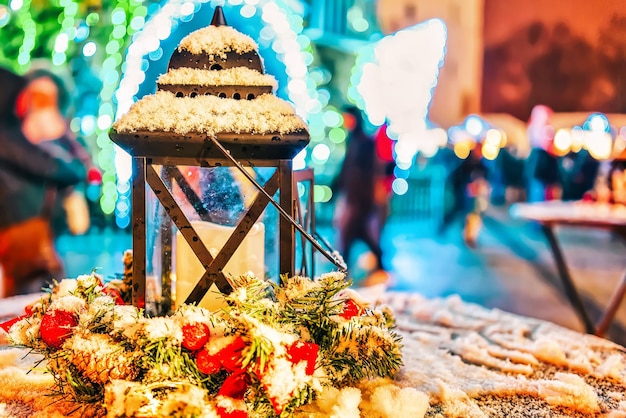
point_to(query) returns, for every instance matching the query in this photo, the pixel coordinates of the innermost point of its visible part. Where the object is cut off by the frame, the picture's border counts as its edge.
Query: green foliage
(274, 345)
(362, 347)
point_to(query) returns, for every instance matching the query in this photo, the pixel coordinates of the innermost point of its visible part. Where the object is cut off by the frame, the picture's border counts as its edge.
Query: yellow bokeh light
(619, 146)
(490, 150)
(493, 137)
(578, 139)
(462, 149)
(562, 141)
(599, 144)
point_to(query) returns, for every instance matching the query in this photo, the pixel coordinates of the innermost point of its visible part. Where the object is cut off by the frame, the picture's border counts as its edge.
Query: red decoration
(115, 294)
(8, 324)
(231, 413)
(208, 363)
(304, 351)
(56, 327)
(235, 385)
(351, 309)
(195, 336)
(231, 355)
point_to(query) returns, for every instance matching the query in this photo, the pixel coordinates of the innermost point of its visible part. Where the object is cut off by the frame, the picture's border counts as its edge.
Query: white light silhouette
(393, 81)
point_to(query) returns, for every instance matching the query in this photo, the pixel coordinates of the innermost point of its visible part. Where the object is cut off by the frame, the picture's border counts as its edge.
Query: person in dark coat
(476, 193)
(27, 170)
(357, 214)
(541, 170)
(577, 172)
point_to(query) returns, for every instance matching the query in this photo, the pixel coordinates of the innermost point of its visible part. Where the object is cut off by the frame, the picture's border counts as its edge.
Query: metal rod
(188, 232)
(614, 303)
(286, 231)
(139, 232)
(189, 192)
(566, 279)
(338, 263)
(166, 304)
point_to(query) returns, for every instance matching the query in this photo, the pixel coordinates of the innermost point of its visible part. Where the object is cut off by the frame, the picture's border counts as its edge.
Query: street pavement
(511, 268)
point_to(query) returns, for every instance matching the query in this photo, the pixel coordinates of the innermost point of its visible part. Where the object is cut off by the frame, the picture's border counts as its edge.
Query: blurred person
(541, 170)
(511, 166)
(357, 214)
(614, 180)
(42, 107)
(384, 175)
(477, 191)
(30, 176)
(577, 172)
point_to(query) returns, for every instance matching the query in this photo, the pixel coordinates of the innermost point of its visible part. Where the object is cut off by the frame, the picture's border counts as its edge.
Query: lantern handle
(333, 258)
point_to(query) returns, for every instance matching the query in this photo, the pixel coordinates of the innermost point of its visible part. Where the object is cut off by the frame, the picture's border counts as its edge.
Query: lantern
(213, 109)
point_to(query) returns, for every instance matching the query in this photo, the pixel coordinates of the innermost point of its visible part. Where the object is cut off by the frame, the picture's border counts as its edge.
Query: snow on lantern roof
(211, 115)
(217, 40)
(215, 85)
(217, 47)
(242, 76)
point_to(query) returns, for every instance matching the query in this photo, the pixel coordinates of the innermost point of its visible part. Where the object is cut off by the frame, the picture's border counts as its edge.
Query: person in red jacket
(42, 109)
(27, 171)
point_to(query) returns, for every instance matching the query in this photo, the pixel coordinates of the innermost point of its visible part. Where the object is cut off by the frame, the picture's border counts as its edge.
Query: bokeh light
(395, 87)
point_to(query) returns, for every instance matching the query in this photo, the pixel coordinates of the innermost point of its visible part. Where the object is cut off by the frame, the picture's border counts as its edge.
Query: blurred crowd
(578, 163)
(45, 169)
(481, 169)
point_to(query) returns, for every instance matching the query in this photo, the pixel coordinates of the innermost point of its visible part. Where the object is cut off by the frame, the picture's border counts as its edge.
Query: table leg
(566, 279)
(614, 303)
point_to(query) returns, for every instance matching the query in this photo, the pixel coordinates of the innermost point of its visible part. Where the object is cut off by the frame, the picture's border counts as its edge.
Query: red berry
(231, 356)
(235, 385)
(351, 309)
(56, 327)
(115, 294)
(208, 363)
(195, 335)
(224, 412)
(304, 351)
(8, 324)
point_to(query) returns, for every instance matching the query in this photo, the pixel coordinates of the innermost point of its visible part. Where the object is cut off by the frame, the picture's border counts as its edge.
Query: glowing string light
(67, 31)
(124, 19)
(28, 25)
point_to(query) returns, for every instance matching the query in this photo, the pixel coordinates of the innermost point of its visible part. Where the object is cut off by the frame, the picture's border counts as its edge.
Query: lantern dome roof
(215, 85)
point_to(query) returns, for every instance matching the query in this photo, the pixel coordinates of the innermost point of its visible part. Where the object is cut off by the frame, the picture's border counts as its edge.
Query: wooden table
(580, 214)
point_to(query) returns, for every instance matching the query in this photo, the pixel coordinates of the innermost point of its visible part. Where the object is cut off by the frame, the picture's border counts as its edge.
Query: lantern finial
(218, 17)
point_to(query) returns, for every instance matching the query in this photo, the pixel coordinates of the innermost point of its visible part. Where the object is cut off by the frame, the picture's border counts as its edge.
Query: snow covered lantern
(214, 108)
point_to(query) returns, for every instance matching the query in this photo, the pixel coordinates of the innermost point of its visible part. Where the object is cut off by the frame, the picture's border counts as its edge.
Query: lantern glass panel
(213, 200)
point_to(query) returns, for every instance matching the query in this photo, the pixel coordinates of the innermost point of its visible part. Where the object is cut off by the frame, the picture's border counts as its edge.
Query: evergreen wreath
(272, 349)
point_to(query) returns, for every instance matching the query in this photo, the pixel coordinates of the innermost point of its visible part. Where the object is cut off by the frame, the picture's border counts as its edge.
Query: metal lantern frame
(168, 150)
(150, 151)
